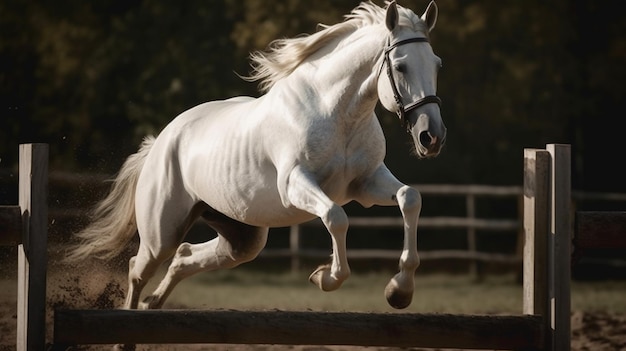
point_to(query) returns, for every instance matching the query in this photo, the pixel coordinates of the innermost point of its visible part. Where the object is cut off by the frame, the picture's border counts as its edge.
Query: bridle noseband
(402, 109)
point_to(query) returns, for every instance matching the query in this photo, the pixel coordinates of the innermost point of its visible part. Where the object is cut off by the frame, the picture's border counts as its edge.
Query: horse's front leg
(304, 193)
(384, 189)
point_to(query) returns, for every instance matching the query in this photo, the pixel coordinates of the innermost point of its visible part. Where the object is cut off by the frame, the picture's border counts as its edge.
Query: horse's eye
(400, 67)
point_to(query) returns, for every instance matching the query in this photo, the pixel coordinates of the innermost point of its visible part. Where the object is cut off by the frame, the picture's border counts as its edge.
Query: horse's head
(409, 85)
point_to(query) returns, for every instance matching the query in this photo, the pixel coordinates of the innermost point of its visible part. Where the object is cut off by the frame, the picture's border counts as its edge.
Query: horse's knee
(409, 199)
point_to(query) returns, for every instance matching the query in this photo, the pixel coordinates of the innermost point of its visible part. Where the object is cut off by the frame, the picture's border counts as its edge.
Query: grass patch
(599, 296)
(363, 292)
(254, 290)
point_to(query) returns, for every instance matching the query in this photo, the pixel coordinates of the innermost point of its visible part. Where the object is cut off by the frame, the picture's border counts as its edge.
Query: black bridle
(402, 109)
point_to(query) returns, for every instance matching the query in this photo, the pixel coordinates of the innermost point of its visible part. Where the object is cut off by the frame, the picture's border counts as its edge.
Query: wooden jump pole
(297, 328)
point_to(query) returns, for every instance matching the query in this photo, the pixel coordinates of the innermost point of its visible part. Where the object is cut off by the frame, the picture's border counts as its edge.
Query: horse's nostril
(425, 138)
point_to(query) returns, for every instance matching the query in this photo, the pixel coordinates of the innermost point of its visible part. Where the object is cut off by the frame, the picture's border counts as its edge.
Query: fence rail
(469, 222)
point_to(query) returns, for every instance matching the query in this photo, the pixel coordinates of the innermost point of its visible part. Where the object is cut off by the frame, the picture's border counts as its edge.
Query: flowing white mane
(283, 56)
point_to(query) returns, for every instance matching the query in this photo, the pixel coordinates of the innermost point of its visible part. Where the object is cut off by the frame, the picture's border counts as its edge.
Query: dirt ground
(590, 331)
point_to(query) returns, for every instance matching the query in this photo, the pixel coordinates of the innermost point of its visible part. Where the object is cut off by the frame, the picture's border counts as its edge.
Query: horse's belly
(266, 209)
(248, 191)
(249, 196)
(273, 214)
(260, 209)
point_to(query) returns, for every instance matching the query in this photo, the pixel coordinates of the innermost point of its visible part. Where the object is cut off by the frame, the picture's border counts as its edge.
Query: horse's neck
(346, 78)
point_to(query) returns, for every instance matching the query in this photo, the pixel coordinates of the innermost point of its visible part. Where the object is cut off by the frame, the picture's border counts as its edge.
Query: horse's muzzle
(429, 135)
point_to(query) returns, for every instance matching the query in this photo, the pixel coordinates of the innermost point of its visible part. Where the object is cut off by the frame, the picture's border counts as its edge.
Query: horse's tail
(114, 222)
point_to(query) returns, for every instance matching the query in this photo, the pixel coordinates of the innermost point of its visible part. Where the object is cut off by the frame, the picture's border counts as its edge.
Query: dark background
(91, 78)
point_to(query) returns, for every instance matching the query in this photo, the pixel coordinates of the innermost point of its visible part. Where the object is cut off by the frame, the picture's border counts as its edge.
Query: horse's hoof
(398, 300)
(397, 297)
(149, 303)
(321, 277)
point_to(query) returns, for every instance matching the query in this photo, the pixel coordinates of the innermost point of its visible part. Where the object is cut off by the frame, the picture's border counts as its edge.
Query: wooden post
(470, 212)
(32, 252)
(536, 219)
(547, 201)
(560, 229)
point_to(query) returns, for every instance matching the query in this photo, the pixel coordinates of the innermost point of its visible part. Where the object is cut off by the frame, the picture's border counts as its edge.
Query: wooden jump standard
(544, 324)
(26, 225)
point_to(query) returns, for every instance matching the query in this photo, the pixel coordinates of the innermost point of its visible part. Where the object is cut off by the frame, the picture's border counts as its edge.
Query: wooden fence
(469, 222)
(72, 186)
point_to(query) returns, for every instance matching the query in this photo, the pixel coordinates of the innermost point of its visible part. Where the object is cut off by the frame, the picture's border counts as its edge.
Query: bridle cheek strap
(402, 109)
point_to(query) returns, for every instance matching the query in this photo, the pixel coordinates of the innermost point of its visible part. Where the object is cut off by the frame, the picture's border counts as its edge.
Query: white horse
(308, 146)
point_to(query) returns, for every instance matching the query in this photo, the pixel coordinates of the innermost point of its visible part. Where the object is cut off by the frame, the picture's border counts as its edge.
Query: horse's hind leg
(162, 226)
(138, 276)
(235, 244)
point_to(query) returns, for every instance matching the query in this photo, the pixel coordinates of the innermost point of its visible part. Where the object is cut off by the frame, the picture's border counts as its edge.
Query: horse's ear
(391, 20)
(430, 15)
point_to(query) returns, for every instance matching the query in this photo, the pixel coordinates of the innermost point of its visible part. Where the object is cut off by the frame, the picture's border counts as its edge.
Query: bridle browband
(402, 109)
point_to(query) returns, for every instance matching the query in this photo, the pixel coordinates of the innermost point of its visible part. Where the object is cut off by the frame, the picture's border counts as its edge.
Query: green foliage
(93, 77)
